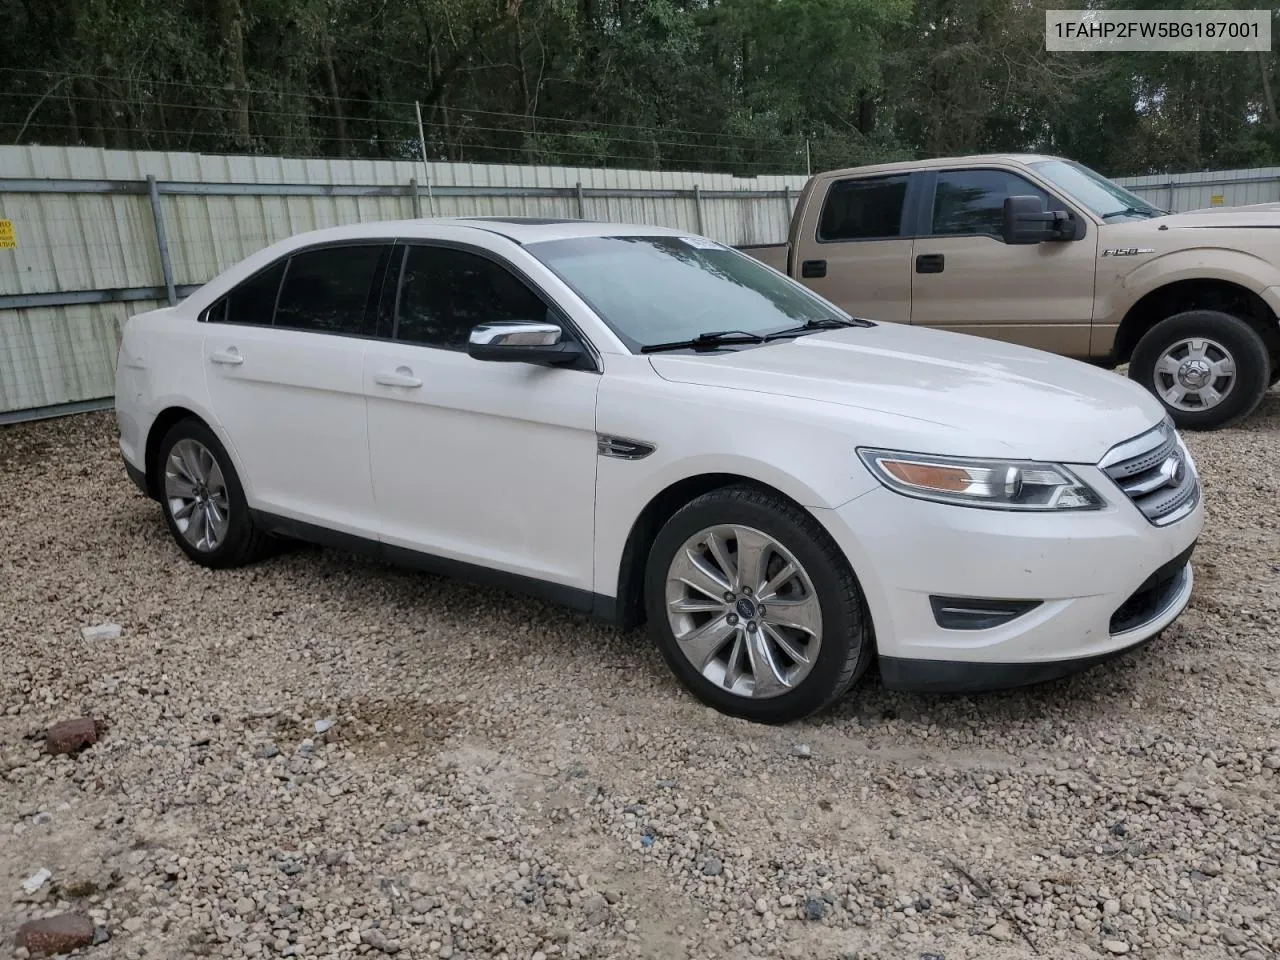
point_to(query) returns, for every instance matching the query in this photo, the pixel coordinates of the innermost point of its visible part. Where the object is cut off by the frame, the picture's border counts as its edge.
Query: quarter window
(866, 209)
(327, 290)
(253, 302)
(445, 292)
(971, 202)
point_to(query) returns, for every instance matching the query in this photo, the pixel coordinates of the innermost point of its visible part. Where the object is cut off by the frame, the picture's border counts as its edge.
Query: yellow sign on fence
(8, 239)
(1217, 200)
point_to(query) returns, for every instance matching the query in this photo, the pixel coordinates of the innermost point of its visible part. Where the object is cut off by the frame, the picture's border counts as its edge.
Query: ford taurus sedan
(650, 426)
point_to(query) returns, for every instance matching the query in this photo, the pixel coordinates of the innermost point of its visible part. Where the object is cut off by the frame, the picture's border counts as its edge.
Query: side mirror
(1027, 221)
(520, 342)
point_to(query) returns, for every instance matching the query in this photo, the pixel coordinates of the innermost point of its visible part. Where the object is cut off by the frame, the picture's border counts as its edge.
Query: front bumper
(1104, 582)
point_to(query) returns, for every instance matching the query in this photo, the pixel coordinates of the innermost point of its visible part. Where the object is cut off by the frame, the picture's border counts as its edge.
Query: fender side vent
(621, 448)
(972, 613)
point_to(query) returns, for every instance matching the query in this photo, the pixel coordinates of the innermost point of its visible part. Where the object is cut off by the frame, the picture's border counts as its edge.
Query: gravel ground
(505, 779)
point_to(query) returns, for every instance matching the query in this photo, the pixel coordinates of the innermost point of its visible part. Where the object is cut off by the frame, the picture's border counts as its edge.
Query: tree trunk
(866, 114)
(331, 77)
(231, 27)
(1268, 93)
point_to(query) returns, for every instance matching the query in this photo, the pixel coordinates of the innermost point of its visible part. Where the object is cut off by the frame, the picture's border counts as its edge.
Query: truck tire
(1208, 368)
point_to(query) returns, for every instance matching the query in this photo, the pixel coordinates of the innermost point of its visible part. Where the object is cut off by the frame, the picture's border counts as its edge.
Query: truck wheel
(1208, 368)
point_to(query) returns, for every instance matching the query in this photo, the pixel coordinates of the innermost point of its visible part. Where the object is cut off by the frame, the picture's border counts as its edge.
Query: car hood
(1016, 401)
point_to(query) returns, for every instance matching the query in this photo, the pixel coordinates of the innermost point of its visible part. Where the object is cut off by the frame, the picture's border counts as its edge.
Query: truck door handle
(403, 377)
(229, 357)
(813, 268)
(930, 263)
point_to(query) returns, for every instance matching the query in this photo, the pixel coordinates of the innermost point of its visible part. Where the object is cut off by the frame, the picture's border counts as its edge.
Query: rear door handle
(813, 268)
(930, 263)
(229, 357)
(402, 377)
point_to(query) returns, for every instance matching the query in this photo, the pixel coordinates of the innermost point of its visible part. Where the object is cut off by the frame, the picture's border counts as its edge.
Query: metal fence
(99, 235)
(89, 236)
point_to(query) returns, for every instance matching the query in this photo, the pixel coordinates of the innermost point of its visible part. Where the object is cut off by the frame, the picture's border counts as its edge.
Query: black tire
(1235, 337)
(243, 542)
(847, 643)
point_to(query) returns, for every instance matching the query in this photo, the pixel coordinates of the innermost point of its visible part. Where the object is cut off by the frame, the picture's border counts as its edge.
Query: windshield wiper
(714, 338)
(1135, 212)
(825, 323)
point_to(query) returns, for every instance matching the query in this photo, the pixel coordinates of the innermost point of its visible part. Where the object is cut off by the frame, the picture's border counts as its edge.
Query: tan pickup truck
(1044, 252)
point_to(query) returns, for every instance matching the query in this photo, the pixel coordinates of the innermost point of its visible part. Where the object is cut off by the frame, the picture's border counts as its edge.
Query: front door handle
(930, 263)
(813, 268)
(229, 357)
(402, 377)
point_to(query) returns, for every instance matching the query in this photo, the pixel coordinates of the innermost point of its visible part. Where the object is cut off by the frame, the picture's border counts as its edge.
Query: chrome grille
(1156, 472)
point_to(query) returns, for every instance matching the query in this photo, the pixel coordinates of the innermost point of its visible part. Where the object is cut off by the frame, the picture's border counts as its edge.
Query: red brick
(53, 935)
(72, 736)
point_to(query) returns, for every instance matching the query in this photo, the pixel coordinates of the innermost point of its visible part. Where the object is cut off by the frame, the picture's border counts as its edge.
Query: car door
(485, 463)
(856, 250)
(284, 365)
(967, 279)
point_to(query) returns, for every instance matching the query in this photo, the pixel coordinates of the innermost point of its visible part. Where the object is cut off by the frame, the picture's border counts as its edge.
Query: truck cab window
(863, 209)
(971, 202)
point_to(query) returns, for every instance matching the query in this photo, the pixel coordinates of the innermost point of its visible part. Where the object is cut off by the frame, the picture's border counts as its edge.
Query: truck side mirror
(1027, 221)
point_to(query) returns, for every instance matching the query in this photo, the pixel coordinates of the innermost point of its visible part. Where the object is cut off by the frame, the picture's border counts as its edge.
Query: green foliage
(737, 85)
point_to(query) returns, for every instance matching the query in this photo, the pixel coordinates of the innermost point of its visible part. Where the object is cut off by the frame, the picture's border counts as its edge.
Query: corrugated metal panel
(79, 242)
(56, 355)
(1194, 191)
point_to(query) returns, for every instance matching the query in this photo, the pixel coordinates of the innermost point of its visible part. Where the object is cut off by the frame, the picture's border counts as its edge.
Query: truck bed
(773, 254)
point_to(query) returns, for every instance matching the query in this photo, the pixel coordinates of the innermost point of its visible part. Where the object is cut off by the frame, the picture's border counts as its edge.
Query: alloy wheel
(743, 611)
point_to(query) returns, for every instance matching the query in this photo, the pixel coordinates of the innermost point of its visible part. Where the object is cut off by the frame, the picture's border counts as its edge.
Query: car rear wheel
(203, 502)
(755, 608)
(1208, 368)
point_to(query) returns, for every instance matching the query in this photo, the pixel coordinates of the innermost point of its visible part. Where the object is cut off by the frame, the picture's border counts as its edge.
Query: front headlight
(993, 484)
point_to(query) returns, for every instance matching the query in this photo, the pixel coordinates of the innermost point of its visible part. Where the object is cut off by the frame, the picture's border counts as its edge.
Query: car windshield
(1106, 199)
(660, 289)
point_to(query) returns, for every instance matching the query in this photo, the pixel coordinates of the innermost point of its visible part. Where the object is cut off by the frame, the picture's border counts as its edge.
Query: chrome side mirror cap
(521, 342)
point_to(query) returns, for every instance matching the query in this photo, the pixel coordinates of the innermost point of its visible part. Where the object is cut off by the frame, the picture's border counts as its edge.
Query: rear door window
(329, 290)
(868, 208)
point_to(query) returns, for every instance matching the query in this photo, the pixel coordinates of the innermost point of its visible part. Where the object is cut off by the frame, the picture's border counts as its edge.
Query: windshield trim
(636, 347)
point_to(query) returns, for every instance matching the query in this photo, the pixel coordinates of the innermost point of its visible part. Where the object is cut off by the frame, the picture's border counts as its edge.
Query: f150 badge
(1126, 251)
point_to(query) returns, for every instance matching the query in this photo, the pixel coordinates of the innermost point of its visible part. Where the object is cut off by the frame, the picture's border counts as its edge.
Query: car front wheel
(203, 501)
(755, 608)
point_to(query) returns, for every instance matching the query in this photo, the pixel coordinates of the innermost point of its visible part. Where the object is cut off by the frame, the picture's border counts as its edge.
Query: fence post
(1170, 205)
(162, 240)
(582, 202)
(417, 200)
(697, 207)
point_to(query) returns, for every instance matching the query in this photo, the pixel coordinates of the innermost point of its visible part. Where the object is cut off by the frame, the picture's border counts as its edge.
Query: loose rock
(72, 736)
(58, 934)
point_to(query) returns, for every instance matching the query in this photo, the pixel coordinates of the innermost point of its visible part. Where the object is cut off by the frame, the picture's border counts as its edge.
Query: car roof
(521, 230)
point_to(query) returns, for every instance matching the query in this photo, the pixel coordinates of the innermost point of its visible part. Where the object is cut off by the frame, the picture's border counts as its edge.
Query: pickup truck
(1044, 252)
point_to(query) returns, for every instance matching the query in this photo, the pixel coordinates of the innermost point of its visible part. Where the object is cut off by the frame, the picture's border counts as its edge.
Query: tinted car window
(446, 292)
(328, 289)
(972, 201)
(863, 209)
(253, 302)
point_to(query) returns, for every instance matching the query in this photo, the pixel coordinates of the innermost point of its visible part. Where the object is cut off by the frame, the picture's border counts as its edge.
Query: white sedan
(649, 425)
